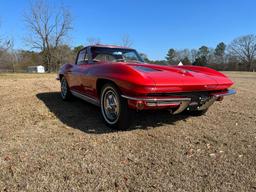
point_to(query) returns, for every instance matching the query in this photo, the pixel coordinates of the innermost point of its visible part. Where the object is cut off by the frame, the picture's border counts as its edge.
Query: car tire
(65, 90)
(114, 108)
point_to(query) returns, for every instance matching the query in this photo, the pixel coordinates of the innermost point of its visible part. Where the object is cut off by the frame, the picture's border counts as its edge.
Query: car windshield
(115, 55)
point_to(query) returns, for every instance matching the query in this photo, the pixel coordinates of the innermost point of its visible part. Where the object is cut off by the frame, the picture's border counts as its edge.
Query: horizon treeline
(238, 55)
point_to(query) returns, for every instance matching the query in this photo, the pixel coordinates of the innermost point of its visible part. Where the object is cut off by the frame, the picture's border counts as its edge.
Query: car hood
(183, 78)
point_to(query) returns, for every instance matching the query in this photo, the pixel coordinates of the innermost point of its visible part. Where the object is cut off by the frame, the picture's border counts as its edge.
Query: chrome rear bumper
(221, 94)
(180, 103)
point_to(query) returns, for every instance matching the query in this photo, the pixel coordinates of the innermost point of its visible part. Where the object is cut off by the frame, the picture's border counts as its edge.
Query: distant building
(36, 69)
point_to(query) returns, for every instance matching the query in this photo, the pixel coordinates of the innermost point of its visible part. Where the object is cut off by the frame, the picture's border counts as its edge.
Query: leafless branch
(48, 28)
(126, 41)
(93, 41)
(244, 48)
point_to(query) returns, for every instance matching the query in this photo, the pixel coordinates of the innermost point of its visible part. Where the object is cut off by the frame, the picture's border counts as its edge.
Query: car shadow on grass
(81, 115)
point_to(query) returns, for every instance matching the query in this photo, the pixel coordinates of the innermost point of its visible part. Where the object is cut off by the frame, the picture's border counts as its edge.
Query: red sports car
(118, 81)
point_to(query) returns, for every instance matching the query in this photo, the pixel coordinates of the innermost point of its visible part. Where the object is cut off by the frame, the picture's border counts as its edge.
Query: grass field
(50, 145)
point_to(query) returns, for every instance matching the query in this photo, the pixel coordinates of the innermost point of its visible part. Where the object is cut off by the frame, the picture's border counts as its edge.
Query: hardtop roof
(109, 46)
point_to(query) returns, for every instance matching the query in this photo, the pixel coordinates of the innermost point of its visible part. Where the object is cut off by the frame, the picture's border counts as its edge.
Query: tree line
(49, 29)
(238, 55)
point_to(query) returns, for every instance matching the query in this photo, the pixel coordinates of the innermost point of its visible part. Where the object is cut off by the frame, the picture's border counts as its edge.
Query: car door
(73, 73)
(84, 65)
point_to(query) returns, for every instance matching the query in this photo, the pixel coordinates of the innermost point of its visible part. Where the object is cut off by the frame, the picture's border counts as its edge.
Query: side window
(82, 57)
(130, 56)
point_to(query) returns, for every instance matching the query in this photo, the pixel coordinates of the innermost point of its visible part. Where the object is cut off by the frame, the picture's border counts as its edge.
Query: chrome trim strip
(182, 102)
(229, 92)
(207, 104)
(86, 98)
(182, 107)
(161, 103)
(214, 97)
(156, 99)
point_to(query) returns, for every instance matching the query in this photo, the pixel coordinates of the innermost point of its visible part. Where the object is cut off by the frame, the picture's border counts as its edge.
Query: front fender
(129, 81)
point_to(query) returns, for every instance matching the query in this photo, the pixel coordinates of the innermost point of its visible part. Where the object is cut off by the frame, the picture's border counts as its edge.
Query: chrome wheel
(114, 108)
(64, 88)
(110, 105)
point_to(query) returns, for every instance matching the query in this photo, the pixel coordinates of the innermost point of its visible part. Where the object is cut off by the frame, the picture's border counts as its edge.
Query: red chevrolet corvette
(118, 81)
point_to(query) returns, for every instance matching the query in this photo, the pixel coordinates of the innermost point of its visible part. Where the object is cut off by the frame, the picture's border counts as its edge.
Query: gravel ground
(50, 145)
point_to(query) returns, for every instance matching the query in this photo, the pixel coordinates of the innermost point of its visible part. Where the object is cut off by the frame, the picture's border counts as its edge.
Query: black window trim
(79, 55)
(88, 52)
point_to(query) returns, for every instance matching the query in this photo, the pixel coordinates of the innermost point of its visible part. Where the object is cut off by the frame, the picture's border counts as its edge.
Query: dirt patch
(50, 145)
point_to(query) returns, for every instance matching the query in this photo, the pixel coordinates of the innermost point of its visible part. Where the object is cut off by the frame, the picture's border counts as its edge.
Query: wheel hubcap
(64, 88)
(111, 106)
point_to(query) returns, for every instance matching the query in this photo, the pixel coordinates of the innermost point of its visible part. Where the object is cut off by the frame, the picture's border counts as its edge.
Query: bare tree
(48, 29)
(6, 57)
(93, 41)
(244, 48)
(0, 40)
(182, 54)
(5, 43)
(5, 54)
(193, 54)
(126, 41)
(12, 54)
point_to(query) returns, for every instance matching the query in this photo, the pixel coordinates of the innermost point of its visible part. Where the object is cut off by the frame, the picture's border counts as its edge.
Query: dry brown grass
(50, 145)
